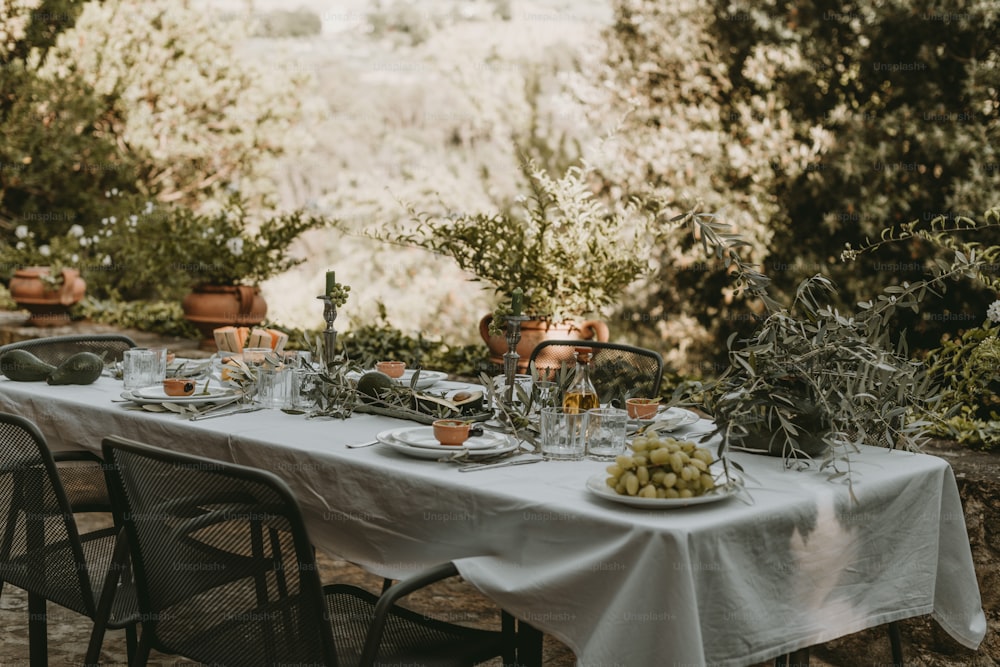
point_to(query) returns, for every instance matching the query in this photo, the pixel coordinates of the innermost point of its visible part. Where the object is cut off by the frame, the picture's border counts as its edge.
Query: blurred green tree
(805, 126)
(142, 99)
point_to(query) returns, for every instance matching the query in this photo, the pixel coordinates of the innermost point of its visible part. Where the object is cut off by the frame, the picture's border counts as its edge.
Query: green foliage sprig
(813, 381)
(967, 366)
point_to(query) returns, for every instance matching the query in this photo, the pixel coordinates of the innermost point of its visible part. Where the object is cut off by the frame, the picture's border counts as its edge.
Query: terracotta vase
(534, 332)
(211, 306)
(49, 306)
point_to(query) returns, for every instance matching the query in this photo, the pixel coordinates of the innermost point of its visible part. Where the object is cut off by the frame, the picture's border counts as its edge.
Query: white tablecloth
(728, 583)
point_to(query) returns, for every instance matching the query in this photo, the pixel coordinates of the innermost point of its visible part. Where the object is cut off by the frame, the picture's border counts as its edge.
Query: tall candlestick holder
(511, 357)
(330, 333)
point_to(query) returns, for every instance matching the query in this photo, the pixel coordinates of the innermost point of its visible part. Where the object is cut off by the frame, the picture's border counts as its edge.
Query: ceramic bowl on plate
(393, 369)
(642, 408)
(452, 432)
(178, 387)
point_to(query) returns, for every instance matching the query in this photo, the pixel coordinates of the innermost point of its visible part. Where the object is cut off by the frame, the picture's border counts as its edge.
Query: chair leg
(37, 631)
(94, 646)
(896, 642)
(529, 645)
(508, 629)
(131, 642)
(141, 656)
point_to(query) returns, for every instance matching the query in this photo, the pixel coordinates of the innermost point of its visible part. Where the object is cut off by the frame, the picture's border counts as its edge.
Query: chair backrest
(40, 550)
(618, 371)
(55, 349)
(224, 569)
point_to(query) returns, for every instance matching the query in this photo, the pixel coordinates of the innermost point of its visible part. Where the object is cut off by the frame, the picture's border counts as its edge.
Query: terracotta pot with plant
(46, 278)
(225, 255)
(571, 255)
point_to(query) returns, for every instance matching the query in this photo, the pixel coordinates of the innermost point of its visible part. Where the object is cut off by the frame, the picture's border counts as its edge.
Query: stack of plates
(155, 394)
(419, 442)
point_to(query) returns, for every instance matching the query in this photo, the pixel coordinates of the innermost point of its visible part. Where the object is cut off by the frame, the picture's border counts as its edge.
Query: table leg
(798, 658)
(529, 645)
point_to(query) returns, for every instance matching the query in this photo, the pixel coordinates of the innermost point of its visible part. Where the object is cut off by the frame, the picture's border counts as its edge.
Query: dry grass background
(394, 122)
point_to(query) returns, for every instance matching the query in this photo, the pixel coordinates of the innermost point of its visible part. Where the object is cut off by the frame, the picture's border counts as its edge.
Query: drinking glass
(544, 394)
(303, 379)
(161, 362)
(274, 386)
(140, 368)
(563, 433)
(606, 428)
(255, 359)
(500, 390)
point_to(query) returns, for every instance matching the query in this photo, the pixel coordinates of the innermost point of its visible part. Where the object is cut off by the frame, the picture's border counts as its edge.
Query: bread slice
(230, 339)
(270, 338)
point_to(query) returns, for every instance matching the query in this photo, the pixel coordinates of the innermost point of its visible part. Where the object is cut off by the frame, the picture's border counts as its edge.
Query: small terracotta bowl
(642, 408)
(178, 387)
(451, 432)
(393, 369)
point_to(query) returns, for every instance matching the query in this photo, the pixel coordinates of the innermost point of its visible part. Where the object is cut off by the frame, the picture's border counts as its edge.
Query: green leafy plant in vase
(219, 257)
(569, 253)
(815, 382)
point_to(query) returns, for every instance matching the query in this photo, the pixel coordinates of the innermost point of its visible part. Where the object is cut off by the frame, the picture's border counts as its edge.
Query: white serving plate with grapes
(598, 486)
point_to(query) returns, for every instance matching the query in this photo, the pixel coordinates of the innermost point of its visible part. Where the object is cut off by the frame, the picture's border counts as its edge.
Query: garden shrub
(805, 127)
(145, 100)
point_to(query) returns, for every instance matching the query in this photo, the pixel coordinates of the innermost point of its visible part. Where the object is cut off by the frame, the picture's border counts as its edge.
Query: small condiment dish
(178, 387)
(393, 369)
(451, 432)
(642, 408)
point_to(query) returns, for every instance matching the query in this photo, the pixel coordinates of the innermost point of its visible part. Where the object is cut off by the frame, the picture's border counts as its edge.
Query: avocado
(374, 385)
(23, 366)
(81, 368)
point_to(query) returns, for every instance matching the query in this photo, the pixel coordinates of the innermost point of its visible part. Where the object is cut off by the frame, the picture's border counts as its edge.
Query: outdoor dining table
(791, 562)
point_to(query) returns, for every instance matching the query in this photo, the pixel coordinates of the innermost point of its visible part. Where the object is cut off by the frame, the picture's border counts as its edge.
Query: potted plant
(222, 256)
(45, 279)
(569, 254)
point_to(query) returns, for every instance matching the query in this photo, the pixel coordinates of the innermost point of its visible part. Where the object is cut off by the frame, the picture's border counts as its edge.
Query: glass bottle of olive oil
(581, 396)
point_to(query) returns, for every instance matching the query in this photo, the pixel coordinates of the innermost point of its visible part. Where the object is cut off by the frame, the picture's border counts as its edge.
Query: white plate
(670, 419)
(156, 394)
(423, 437)
(599, 487)
(427, 378)
(387, 438)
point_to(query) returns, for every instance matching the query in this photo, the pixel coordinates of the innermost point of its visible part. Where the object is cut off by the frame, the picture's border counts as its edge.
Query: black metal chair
(189, 519)
(618, 371)
(55, 349)
(42, 550)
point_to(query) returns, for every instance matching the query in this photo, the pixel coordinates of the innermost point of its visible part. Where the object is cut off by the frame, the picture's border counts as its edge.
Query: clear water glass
(563, 433)
(274, 387)
(140, 368)
(606, 429)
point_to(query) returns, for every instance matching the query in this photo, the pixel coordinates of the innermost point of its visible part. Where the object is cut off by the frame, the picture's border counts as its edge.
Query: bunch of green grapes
(662, 467)
(339, 294)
